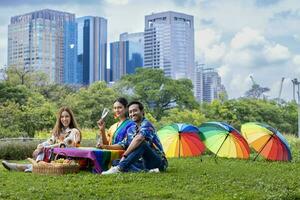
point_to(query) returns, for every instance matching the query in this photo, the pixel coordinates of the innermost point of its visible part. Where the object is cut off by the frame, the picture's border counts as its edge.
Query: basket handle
(60, 154)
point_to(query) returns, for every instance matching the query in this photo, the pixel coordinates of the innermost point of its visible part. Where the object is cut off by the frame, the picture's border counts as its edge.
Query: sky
(239, 38)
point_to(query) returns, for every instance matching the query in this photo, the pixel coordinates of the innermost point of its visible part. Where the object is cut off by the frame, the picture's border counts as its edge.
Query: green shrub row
(17, 150)
(20, 150)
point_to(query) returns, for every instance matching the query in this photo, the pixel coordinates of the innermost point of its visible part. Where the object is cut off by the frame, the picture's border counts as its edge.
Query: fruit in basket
(58, 161)
(61, 160)
(67, 161)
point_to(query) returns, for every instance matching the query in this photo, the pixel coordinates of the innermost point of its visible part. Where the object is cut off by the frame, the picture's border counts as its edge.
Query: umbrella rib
(221, 145)
(263, 147)
(179, 144)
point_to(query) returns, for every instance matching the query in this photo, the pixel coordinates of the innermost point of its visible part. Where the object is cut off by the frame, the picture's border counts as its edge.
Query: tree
(239, 111)
(88, 104)
(25, 76)
(24, 111)
(14, 93)
(157, 92)
(175, 115)
(55, 92)
(256, 90)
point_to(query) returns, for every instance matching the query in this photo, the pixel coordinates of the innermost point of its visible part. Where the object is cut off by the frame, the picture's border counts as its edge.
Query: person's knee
(164, 165)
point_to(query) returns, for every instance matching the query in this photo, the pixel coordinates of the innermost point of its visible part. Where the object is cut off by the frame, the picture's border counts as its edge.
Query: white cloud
(248, 37)
(296, 37)
(250, 53)
(240, 59)
(209, 45)
(215, 53)
(224, 70)
(117, 2)
(276, 53)
(207, 37)
(296, 60)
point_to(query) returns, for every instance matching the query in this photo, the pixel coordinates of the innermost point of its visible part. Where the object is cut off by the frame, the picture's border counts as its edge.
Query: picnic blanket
(101, 158)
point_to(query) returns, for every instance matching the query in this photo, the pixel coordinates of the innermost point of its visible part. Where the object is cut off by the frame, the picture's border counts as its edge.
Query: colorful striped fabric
(181, 140)
(105, 157)
(101, 158)
(224, 140)
(121, 131)
(267, 141)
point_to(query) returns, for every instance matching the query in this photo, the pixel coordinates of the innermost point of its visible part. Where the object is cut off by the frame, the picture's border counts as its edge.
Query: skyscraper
(126, 54)
(117, 65)
(198, 83)
(41, 41)
(135, 43)
(169, 43)
(92, 49)
(212, 86)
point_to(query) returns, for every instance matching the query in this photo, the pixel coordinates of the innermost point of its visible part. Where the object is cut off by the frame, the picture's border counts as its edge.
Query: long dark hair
(122, 101)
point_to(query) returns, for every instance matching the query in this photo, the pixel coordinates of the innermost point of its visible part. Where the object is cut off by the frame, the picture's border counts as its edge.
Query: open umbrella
(223, 140)
(267, 141)
(181, 140)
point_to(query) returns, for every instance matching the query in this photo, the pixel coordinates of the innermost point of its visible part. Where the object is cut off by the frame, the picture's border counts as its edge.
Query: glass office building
(169, 44)
(92, 49)
(41, 41)
(127, 54)
(212, 86)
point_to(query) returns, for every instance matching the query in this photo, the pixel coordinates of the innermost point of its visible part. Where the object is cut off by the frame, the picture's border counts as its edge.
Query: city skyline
(240, 38)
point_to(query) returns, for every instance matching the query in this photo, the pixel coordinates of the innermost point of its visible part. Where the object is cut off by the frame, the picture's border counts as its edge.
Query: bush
(11, 132)
(17, 150)
(20, 150)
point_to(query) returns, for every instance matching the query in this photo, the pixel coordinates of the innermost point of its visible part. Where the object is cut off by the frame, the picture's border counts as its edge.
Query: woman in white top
(64, 133)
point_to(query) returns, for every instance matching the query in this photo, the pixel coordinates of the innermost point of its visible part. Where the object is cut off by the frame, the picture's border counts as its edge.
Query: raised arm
(102, 133)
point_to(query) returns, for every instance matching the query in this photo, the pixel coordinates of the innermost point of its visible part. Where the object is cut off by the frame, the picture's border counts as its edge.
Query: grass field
(186, 178)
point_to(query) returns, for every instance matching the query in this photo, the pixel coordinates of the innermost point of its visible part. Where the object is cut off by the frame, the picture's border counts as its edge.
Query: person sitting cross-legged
(141, 142)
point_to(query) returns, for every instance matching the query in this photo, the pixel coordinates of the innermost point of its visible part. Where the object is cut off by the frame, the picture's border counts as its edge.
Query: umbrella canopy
(181, 140)
(223, 140)
(267, 141)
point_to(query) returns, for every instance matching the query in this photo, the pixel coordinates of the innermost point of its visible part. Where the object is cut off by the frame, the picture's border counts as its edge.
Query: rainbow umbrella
(267, 141)
(223, 140)
(181, 140)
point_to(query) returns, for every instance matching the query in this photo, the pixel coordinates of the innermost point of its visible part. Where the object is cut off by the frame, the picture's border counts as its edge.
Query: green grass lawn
(186, 178)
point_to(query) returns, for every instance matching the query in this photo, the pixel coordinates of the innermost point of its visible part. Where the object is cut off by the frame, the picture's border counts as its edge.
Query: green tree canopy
(88, 104)
(239, 111)
(157, 92)
(175, 115)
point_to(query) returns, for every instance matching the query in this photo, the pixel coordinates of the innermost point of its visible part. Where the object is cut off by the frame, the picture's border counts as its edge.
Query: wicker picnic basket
(53, 168)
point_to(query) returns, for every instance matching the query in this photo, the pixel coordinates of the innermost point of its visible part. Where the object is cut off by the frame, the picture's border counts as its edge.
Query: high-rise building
(135, 46)
(44, 41)
(169, 43)
(71, 71)
(92, 49)
(212, 86)
(117, 66)
(126, 54)
(198, 82)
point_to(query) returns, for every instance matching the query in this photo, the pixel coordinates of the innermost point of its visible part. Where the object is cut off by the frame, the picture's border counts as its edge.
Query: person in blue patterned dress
(141, 142)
